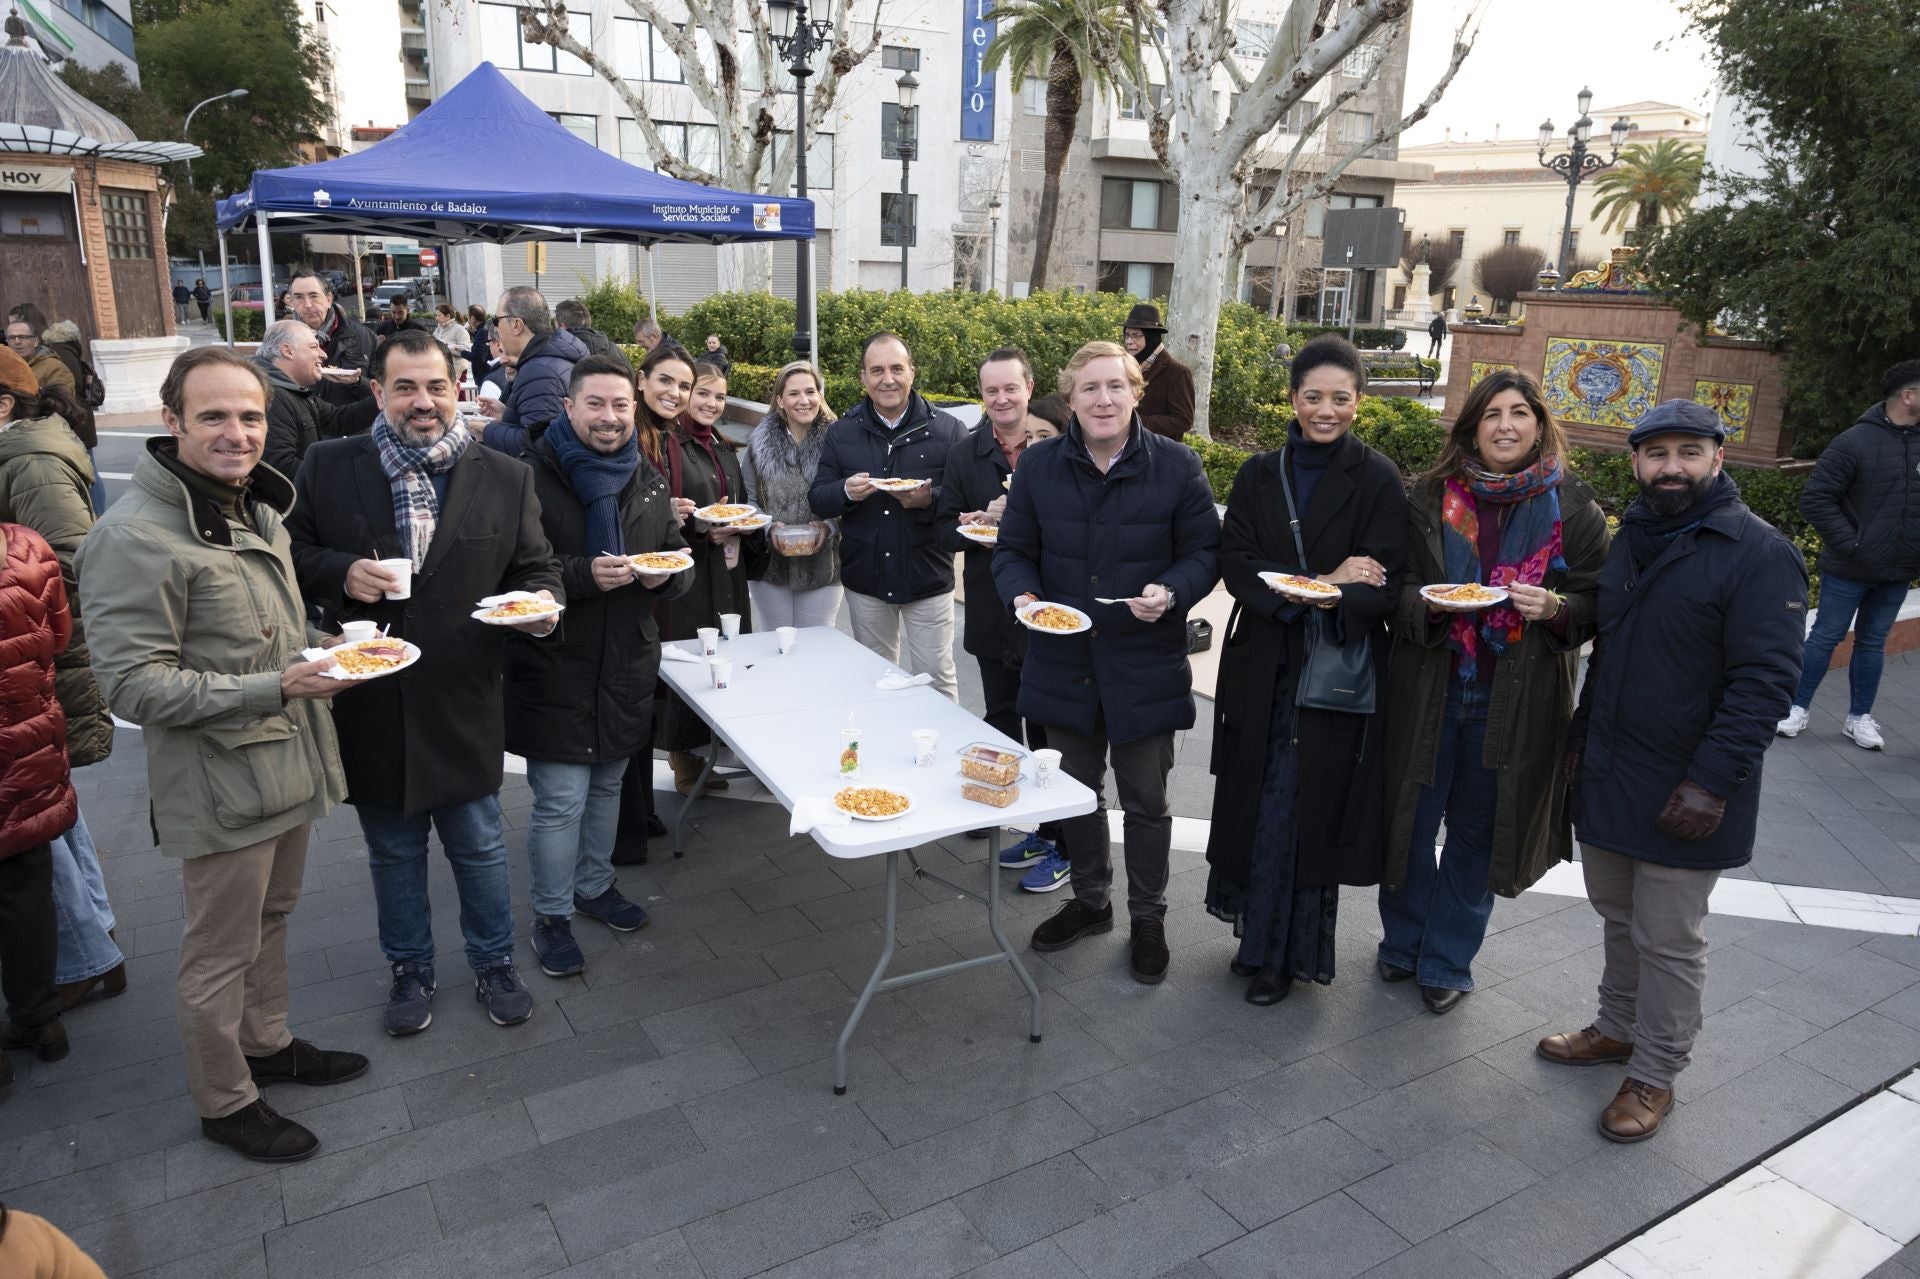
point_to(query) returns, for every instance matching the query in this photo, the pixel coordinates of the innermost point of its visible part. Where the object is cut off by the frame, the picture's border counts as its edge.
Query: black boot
(48, 1040)
(1268, 987)
(301, 1063)
(262, 1134)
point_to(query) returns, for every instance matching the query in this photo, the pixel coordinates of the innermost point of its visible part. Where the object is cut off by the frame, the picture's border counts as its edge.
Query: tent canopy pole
(226, 289)
(266, 274)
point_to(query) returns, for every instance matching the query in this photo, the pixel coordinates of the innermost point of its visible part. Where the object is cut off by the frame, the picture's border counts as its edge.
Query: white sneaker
(1794, 724)
(1864, 732)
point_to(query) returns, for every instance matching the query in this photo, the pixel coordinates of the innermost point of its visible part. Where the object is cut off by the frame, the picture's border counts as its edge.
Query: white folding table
(782, 717)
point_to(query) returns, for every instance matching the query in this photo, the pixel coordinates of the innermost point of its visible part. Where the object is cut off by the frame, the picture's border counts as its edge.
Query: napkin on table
(810, 812)
(673, 653)
(888, 683)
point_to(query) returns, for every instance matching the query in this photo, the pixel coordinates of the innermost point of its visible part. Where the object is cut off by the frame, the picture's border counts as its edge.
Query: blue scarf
(598, 480)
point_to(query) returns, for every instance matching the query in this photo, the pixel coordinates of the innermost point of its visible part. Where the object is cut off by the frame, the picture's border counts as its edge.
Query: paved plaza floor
(670, 1114)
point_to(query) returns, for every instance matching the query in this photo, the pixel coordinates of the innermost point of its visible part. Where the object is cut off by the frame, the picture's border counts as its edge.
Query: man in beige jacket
(197, 627)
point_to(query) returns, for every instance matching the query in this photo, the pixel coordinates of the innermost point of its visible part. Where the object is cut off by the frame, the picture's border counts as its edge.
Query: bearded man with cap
(1167, 406)
(1702, 613)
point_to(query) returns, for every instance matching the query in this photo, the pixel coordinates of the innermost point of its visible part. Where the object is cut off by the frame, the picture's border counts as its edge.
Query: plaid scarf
(1529, 546)
(410, 472)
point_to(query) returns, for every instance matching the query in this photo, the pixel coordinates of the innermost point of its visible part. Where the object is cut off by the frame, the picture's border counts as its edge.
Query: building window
(1573, 248)
(1253, 39)
(125, 215)
(819, 160)
(890, 229)
(502, 43)
(1353, 127)
(666, 63)
(1510, 237)
(1360, 62)
(1142, 279)
(695, 144)
(898, 57)
(1134, 107)
(1138, 204)
(1341, 200)
(890, 130)
(1299, 116)
(1457, 239)
(584, 127)
(1033, 95)
(110, 26)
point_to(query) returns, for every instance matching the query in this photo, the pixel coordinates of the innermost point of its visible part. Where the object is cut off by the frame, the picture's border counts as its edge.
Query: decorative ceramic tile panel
(1597, 382)
(1481, 368)
(1733, 401)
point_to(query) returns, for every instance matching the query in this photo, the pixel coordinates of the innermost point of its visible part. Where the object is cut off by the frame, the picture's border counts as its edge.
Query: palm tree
(1649, 183)
(1057, 38)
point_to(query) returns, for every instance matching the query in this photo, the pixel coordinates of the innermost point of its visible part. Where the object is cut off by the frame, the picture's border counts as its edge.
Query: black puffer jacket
(1863, 498)
(887, 550)
(977, 472)
(349, 345)
(539, 387)
(298, 418)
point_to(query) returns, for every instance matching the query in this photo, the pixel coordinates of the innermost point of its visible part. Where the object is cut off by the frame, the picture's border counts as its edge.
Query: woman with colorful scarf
(1478, 702)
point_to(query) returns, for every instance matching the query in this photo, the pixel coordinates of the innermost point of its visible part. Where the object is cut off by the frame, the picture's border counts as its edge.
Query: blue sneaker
(554, 946)
(1025, 853)
(410, 1001)
(507, 998)
(1048, 875)
(613, 910)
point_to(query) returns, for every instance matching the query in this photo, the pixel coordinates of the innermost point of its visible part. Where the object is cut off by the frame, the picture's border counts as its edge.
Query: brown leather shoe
(108, 984)
(47, 1041)
(1584, 1048)
(1635, 1112)
(686, 771)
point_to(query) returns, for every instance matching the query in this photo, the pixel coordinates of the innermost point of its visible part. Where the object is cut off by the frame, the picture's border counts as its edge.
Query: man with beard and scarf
(347, 343)
(1702, 608)
(424, 747)
(600, 501)
(1167, 407)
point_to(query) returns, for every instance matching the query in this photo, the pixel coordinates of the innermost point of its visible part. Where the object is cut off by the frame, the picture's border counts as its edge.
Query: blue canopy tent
(534, 181)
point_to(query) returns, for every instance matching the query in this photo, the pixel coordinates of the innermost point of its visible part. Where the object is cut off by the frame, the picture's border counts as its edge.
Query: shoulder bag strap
(1293, 516)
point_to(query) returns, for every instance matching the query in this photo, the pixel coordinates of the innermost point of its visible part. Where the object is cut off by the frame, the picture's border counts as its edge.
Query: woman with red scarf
(1478, 701)
(703, 468)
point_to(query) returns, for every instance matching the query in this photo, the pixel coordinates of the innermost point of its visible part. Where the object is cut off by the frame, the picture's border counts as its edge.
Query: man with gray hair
(543, 358)
(647, 334)
(292, 357)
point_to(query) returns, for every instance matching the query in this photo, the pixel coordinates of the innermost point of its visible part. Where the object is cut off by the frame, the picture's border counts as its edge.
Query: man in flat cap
(1166, 406)
(1702, 614)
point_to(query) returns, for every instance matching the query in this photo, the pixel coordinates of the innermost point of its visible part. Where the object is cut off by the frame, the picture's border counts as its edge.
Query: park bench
(1397, 366)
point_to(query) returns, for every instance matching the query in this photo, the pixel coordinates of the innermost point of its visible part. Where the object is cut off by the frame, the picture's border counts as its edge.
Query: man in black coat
(579, 705)
(400, 316)
(297, 418)
(1437, 333)
(424, 747)
(1701, 612)
(1166, 407)
(898, 577)
(573, 316)
(1111, 509)
(1863, 498)
(973, 490)
(347, 342)
(543, 358)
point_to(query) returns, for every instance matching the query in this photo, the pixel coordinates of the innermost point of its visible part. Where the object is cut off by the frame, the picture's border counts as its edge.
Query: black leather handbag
(1335, 676)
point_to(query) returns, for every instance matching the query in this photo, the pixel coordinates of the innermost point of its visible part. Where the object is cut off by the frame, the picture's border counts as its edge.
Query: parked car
(247, 297)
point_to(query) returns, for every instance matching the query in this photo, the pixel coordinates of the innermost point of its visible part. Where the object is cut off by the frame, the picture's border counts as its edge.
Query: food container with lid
(995, 765)
(797, 539)
(988, 793)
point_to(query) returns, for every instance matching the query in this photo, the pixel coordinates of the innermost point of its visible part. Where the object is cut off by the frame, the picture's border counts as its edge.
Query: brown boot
(686, 771)
(1635, 1112)
(48, 1041)
(108, 984)
(1584, 1048)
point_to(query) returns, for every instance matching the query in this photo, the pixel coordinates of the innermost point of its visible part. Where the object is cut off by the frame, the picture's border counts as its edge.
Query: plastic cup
(926, 744)
(1046, 765)
(402, 569)
(354, 632)
(722, 669)
(730, 626)
(849, 754)
(788, 636)
(709, 640)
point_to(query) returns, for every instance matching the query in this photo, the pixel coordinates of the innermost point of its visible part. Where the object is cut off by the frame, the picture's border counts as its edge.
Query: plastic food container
(797, 539)
(987, 793)
(995, 765)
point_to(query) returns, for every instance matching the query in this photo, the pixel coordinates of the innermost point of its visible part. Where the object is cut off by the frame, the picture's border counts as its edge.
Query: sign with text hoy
(977, 30)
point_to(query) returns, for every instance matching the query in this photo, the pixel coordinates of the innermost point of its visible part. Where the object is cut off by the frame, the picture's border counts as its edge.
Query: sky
(1533, 56)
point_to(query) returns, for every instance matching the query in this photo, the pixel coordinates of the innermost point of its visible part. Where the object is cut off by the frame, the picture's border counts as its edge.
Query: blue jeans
(80, 907)
(397, 854)
(576, 814)
(1437, 919)
(1878, 604)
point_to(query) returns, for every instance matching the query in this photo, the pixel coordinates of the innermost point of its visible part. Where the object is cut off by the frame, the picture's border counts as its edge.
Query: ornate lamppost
(1577, 162)
(798, 40)
(907, 86)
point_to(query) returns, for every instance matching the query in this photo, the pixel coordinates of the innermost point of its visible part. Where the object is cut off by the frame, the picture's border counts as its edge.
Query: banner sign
(20, 177)
(976, 82)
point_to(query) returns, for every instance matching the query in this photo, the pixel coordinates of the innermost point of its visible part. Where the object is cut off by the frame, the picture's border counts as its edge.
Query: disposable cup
(402, 570)
(849, 754)
(787, 636)
(722, 669)
(709, 640)
(730, 626)
(926, 745)
(1046, 764)
(353, 632)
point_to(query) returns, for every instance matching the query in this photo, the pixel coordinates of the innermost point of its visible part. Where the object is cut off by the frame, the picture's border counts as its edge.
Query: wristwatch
(1169, 590)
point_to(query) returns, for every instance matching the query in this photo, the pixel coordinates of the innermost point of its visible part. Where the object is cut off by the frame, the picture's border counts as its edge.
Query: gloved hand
(1692, 812)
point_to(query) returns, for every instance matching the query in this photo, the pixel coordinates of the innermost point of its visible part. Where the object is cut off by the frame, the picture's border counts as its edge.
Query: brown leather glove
(1692, 812)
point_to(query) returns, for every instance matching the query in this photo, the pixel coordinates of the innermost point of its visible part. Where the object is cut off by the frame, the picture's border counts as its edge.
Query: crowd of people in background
(339, 476)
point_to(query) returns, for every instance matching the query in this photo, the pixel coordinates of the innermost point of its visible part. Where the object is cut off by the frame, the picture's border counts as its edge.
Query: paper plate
(985, 534)
(1305, 594)
(1431, 594)
(683, 562)
(338, 672)
(487, 605)
(1085, 622)
(895, 483)
(860, 817)
(726, 512)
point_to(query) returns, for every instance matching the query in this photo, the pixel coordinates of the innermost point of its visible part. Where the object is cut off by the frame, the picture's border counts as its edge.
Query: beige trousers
(232, 989)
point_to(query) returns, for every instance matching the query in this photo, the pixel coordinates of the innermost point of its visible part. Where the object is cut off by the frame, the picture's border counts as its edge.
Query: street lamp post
(993, 244)
(907, 85)
(188, 124)
(1577, 162)
(798, 40)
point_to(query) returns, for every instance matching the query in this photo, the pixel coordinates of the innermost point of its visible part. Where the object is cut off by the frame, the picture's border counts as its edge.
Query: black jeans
(1000, 685)
(1140, 770)
(29, 937)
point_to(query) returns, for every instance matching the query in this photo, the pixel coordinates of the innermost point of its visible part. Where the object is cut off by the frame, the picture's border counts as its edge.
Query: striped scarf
(410, 471)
